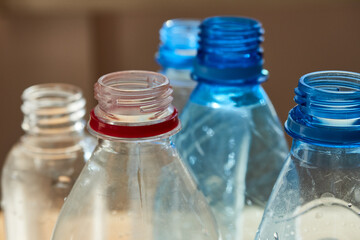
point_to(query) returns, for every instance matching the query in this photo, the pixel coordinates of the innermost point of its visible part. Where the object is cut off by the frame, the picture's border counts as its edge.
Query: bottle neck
(328, 110)
(179, 42)
(133, 105)
(229, 51)
(53, 109)
(325, 156)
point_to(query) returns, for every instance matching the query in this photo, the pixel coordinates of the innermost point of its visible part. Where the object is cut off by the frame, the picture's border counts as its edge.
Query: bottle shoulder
(106, 150)
(230, 96)
(44, 152)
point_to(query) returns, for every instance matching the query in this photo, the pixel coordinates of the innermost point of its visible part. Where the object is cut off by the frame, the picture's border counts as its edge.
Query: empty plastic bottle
(317, 194)
(135, 186)
(177, 51)
(232, 139)
(42, 167)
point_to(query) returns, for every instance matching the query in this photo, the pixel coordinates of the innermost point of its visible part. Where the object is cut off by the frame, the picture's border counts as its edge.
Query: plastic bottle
(135, 186)
(317, 194)
(232, 139)
(177, 51)
(43, 165)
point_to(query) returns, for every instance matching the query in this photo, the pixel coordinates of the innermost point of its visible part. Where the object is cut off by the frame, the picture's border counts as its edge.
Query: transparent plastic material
(232, 139)
(234, 145)
(42, 167)
(177, 51)
(135, 188)
(317, 194)
(182, 85)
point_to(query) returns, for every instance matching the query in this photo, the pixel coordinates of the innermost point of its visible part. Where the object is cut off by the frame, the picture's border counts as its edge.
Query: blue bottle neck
(328, 110)
(179, 43)
(229, 52)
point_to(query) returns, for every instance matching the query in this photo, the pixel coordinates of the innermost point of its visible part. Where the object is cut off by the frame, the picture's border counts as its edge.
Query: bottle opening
(53, 108)
(329, 94)
(231, 25)
(328, 109)
(133, 104)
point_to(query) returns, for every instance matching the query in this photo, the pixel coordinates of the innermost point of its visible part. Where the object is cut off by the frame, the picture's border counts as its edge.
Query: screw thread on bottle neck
(329, 94)
(328, 110)
(53, 109)
(229, 51)
(133, 97)
(179, 42)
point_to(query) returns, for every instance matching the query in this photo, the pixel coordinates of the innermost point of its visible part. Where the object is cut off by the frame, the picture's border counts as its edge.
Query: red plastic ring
(134, 131)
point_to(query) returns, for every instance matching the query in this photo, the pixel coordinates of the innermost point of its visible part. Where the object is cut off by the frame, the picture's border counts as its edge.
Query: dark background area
(78, 41)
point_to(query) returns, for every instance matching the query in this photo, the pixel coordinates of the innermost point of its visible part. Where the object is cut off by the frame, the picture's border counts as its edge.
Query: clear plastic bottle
(177, 51)
(317, 194)
(42, 167)
(232, 139)
(135, 185)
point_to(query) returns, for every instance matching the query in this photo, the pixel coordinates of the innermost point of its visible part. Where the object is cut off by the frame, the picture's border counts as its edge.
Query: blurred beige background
(78, 41)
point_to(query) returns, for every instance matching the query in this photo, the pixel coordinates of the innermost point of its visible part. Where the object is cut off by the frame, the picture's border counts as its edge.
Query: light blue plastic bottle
(177, 51)
(232, 139)
(317, 194)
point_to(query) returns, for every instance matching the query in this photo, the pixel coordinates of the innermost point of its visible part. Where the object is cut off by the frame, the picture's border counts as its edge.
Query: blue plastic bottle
(232, 139)
(317, 194)
(177, 51)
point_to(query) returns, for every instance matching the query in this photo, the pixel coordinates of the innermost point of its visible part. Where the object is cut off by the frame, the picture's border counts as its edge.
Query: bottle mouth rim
(181, 23)
(66, 92)
(338, 84)
(132, 82)
(231, 23)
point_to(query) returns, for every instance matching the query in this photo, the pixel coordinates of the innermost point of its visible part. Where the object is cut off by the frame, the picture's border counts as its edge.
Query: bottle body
(233, 143)
(35, 182)
(182, 85)
(134, 190)
(316, 195)
(42, 167)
